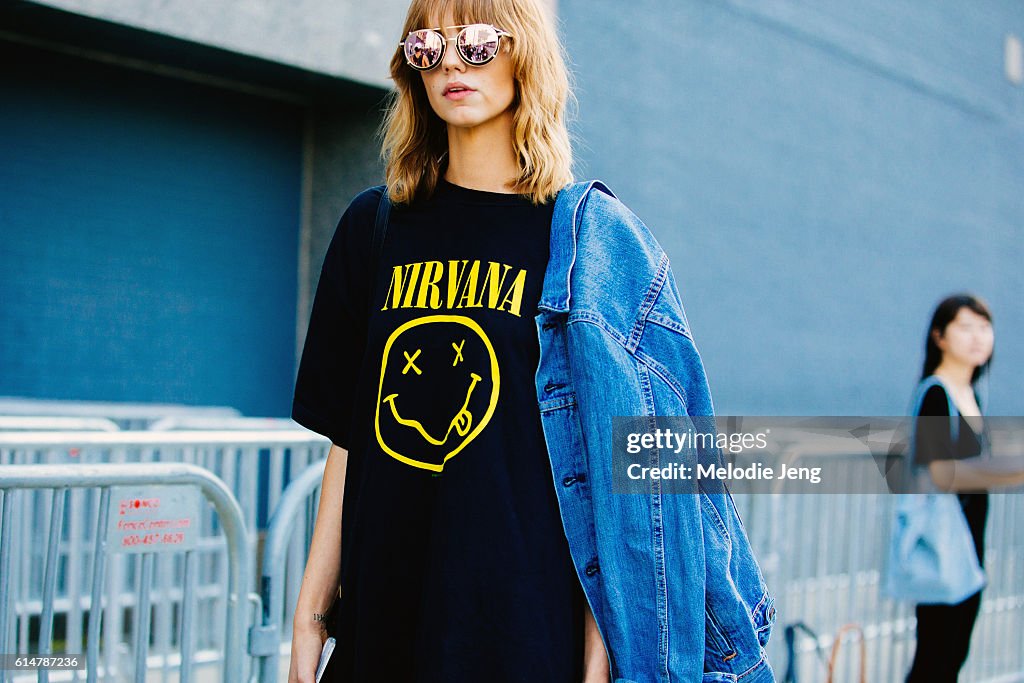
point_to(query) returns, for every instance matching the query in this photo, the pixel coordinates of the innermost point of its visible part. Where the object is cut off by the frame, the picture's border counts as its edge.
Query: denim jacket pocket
(764, 618)
(717, 640)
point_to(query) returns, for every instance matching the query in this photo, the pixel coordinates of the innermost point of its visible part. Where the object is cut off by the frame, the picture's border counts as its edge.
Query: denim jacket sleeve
(654, 566)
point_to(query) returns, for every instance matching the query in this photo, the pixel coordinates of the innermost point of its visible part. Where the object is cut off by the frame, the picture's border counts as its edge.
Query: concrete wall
(821, 174)
(333, 144)
(353, 40)
(343, 158)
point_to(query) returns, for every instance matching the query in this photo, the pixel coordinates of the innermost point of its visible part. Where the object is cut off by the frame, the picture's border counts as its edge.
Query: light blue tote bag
(931, 552)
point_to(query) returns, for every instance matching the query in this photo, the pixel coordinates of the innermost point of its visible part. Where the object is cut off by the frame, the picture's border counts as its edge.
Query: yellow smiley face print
(439, 385)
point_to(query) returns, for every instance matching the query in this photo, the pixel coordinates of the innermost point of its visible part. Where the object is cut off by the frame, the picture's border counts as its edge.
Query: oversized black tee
(454, 562)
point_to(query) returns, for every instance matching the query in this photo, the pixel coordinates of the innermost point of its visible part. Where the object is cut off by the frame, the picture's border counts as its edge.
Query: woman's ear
(937, 338)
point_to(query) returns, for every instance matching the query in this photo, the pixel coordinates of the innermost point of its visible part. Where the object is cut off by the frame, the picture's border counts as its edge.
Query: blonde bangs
(415, 139)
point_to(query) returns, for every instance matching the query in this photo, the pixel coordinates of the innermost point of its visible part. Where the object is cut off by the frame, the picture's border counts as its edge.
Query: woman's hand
(320, 580)
(307, 644)
(595, 657)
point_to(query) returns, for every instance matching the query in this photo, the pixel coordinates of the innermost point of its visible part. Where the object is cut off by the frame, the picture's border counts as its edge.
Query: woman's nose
(451, 57)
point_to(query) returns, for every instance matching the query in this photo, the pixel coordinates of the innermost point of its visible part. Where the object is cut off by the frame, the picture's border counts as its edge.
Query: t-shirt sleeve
(336, 337)
(933, 440)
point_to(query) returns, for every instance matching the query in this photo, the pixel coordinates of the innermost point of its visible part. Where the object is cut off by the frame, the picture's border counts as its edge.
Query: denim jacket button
(568, 481)
(591, 569)
(551, 386)
(548, 326)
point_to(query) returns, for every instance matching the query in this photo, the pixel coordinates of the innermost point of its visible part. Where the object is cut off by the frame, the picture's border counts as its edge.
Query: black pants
(944, 631)
(943, 639)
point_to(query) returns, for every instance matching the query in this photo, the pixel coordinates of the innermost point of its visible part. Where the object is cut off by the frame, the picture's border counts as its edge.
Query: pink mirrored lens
(423, 48)
(478, 43)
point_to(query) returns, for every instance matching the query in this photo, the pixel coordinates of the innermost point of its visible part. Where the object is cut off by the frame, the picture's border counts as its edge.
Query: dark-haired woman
(958, 351)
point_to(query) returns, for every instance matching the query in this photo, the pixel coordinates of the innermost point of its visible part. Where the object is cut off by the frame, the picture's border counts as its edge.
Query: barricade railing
(53, 423)
(226, 423)
(823, 556)
(133, 507)
(284, 544)
(125, 415)
(254, 465)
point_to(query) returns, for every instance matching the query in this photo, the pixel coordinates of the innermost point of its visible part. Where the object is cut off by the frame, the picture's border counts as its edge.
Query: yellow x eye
(411, 362)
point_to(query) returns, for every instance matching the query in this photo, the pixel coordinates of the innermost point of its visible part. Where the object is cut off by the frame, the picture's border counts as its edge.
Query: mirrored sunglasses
(476, 44)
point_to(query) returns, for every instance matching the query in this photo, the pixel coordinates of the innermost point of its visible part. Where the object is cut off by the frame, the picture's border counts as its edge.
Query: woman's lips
(459, 94)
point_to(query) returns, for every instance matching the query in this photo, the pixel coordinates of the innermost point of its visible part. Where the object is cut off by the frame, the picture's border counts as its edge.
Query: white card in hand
(325, 655)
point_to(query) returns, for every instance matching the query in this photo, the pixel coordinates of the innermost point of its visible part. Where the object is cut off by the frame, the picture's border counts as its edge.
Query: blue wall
(821, 174)
(148, 238)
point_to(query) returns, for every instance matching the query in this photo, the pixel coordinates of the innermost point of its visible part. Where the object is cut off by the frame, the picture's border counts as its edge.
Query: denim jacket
(614, 340)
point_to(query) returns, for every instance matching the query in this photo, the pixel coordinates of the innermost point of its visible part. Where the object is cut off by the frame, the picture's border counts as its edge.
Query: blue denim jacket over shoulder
(655, 567)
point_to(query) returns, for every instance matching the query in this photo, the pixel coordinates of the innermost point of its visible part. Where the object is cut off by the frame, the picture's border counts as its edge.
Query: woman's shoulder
(936, 398)
(353, 235)
(361, 212)
(365, 203)
(935, 401)
(609, 220)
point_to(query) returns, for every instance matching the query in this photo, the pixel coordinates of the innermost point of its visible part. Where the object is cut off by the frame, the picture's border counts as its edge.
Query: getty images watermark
(679, 454)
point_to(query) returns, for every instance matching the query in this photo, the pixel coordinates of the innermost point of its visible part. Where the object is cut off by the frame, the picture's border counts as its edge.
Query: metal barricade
(254, 465)
(23, 489)
(272, 632)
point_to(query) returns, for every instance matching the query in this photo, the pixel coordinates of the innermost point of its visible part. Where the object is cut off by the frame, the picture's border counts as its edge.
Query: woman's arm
(965, 475)
(595, 658)
(320, 579)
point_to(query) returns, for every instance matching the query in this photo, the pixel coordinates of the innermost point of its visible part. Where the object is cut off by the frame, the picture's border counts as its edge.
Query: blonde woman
(438, 517)
(470, 509)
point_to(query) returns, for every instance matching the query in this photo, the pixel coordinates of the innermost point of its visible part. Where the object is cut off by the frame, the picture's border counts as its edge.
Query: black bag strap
(380, 229)
(919, 393)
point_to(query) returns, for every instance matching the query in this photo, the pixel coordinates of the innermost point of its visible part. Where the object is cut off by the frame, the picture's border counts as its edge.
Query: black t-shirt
(934, 441)
(454, 561)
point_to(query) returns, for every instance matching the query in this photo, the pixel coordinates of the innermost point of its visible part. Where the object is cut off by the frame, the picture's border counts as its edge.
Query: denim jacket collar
(564, 224)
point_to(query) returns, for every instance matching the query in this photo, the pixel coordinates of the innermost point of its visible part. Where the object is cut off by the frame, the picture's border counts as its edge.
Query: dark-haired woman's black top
(936, 443)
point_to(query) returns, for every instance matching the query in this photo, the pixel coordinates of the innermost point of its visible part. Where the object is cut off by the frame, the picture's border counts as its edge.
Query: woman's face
(486, 91)
(968, 338)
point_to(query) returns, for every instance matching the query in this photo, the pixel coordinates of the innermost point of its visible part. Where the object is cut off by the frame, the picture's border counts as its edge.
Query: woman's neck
(957, 374)
(482, 157)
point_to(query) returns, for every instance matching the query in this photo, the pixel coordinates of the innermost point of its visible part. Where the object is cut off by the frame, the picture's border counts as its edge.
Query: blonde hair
(415, 139)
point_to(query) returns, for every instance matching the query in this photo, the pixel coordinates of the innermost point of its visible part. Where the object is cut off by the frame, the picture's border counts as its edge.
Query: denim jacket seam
(639, 356)
(663, 373)
(669, 324)
(658, 534)
(636, 331)
(578, 216)
(716, 516)
(598, 320)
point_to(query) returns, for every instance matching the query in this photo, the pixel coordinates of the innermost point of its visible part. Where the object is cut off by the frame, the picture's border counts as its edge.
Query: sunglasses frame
(444, 44)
